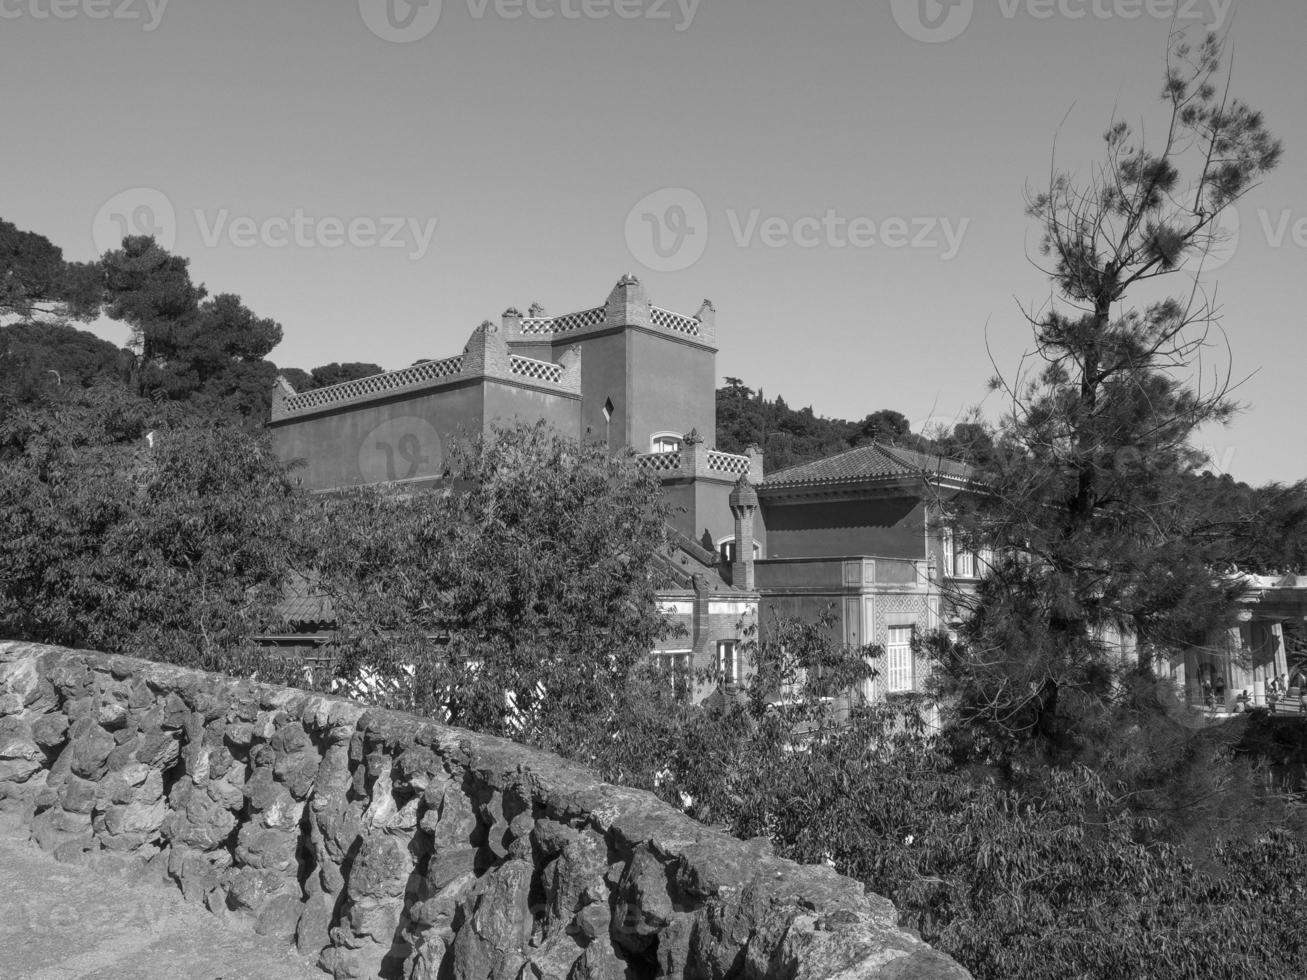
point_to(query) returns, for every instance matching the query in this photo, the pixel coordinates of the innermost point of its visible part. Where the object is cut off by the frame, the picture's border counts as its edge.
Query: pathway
(62, 922)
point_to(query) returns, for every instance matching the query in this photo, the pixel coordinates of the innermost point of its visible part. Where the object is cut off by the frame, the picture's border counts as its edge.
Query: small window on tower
(666, 444)
(726, 550)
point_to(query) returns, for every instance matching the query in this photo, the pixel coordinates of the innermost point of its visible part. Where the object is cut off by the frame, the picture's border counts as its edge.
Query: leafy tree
(1020, 875)
(334, 374)
(128, 530)
(151, 291)
(517, 598)
(34, 357)
(35, 279)
(209, 351)
(1086, 493)
(886, 426)
(789, 437)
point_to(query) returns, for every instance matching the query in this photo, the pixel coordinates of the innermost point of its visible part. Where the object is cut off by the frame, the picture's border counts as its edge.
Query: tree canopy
(1090, 498)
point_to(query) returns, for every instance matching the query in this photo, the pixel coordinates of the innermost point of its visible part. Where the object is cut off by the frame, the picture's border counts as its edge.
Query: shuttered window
(898, 656)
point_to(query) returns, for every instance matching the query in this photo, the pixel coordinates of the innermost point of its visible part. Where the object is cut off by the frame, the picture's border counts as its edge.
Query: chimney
(512, 323)
(744, 505)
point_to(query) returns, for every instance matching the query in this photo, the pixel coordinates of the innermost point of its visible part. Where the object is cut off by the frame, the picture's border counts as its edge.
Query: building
(860, 534)
(627, 373)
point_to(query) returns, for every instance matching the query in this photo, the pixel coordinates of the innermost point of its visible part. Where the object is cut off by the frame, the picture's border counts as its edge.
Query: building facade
(627, 374)
(858, 536)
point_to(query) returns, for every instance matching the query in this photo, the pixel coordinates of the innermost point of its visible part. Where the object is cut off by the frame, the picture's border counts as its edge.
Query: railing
(719, 462)
(661, 462)
(377, 384)
(568, 323)
(1292, 703)
(527, 367)
(674, 321)
(690, 461)
(589, 319)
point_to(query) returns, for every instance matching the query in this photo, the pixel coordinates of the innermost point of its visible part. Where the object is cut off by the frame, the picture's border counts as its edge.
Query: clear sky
(845, 180)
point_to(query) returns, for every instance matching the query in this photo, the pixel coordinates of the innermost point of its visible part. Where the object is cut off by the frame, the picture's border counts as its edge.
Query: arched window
(726, 549)
(666, 442)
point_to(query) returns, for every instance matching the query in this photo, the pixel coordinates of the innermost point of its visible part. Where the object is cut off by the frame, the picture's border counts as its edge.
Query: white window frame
(900, 661)
(726, 549)
(662, 442)
(964, 563)
(958, 562)
(728, 661)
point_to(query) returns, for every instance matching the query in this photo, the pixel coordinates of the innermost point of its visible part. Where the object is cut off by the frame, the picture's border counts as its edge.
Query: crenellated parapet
(496, 351)
(486, 356)
(627, 305)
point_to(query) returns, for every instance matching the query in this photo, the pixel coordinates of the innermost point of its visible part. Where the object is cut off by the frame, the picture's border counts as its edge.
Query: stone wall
(386, 845)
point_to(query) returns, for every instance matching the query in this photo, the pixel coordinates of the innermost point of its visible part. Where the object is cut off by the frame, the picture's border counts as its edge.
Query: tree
(127, 528)
(1018, 876)
(151, 291)
(886, 426)
(334, 374)
(517, 597)
(35, 279)
(36, 357)
(209, 351)
(789, 438)
(1086, 494)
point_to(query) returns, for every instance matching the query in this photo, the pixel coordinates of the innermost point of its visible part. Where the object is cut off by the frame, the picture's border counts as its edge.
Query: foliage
(210, 352)
(789, 438)
(334, 374)
(515, 598)
(128, 530)
(34, 278)
(1089, 487)
(38, 357)
(1019, 874)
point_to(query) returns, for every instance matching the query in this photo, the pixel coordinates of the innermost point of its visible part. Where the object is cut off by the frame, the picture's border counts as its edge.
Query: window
(958, 562)
(898, 659)
(964, 564)
(665, 442)
(677, 665)
(728, 662)
(726, 549)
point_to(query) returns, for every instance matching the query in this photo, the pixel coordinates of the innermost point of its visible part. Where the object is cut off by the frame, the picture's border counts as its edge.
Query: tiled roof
(303, 605)
(676, 566)
(866, 463)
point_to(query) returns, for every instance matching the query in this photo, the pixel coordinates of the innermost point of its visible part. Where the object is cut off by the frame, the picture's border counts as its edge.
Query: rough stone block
(389, 796)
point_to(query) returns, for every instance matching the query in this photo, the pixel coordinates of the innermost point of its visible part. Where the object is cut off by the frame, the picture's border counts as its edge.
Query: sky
(846, 181)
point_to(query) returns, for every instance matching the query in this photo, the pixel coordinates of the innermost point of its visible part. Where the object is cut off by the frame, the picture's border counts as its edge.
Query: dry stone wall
(389, 846)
